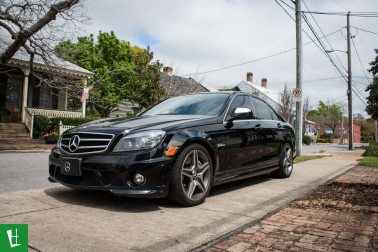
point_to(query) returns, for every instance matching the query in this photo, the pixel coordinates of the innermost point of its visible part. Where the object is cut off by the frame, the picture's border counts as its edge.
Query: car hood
(162, 122)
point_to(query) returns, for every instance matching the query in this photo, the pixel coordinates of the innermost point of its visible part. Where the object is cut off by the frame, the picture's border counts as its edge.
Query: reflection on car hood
(163, 122)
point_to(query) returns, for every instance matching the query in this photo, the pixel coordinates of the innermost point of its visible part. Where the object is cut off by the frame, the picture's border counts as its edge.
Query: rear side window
(262, 109)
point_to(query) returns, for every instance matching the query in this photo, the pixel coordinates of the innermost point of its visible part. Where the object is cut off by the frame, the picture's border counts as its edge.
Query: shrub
(322, 140)
(307, 140)
(69, 121)
(328, 135)
(372, 149)
(41, 126)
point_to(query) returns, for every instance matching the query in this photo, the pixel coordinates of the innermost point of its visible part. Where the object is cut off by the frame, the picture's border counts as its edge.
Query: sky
(197, 37)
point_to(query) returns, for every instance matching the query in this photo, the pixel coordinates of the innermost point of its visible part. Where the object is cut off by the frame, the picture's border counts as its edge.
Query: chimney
(168, 70)
(264, 82)
(249, 77)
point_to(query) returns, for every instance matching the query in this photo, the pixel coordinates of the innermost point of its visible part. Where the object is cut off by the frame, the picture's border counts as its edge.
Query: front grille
(85, 143)
(88, 178)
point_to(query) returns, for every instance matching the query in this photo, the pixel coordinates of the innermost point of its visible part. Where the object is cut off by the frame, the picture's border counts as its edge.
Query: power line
(323, 35)
(365, 30)
(355, 14)
(255, 60)
(355, 49)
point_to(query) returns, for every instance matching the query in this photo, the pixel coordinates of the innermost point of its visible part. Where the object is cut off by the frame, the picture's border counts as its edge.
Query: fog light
(138, 179)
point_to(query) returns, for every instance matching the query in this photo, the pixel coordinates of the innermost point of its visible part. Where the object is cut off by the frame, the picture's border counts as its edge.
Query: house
(174, 86)
(249, 87)
(341, 131)
(22, 99)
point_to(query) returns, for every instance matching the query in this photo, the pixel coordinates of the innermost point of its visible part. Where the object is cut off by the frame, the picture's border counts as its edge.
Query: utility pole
(350, 114)
(298, 106)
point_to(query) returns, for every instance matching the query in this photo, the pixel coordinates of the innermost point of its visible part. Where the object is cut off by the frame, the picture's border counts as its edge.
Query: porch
(22, 98)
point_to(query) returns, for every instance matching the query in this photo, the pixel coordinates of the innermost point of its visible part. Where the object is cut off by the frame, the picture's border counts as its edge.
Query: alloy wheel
(195, 175)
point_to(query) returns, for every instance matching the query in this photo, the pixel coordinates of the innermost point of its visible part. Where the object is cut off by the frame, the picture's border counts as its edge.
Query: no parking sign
(297, 94)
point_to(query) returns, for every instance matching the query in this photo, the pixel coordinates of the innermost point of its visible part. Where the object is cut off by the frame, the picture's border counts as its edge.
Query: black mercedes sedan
(177, 149)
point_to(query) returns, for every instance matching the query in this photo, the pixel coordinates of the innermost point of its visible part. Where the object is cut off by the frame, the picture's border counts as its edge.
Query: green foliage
(369, 161)
(306, 158)
(146, 79)
(372, 99)
(41, 126)
(307, 140)
(323, 140)
(372, 149)
(120, 74)
(54, 122)
(329, 135)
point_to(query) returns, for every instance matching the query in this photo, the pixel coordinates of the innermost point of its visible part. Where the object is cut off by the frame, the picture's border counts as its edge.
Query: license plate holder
(71, 166)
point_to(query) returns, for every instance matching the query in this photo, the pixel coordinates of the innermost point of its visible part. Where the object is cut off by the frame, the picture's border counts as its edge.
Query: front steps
(13, 131)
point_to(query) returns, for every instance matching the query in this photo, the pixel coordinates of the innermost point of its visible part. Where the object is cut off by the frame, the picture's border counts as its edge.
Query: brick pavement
(323, 225)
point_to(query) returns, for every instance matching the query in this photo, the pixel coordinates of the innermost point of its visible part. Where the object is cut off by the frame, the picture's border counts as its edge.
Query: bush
(307, 140)
(69, 121)
(41, 126)
(372, 149)
(322, 140)
(328, 135)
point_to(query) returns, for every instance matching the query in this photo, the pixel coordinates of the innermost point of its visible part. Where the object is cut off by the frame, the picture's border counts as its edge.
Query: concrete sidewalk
(63, 219)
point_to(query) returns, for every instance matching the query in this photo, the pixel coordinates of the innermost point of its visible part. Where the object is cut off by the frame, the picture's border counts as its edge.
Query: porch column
(25, 94)
(84, 101)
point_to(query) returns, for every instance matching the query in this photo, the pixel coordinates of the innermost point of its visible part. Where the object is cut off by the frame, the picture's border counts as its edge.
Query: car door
(272, 129)
(244, 141)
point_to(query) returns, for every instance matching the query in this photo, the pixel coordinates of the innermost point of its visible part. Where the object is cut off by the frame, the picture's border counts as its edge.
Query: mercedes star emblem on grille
(74, 143)
(67, 166)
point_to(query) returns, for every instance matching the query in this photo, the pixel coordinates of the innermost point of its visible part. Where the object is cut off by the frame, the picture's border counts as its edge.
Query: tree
(372, 99)
(330, 114)
(287, 106)
(146, 78)
(120, 74)
(32, 24)
(367, 127)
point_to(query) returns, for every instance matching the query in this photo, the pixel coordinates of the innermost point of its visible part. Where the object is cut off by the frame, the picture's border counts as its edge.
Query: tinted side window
(240, 101)
(262, 109)
(274, 115)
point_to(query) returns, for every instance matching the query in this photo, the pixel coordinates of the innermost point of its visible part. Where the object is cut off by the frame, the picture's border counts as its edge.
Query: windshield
(197, 104)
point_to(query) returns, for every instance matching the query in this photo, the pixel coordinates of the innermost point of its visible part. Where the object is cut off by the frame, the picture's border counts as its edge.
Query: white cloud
(196, 36)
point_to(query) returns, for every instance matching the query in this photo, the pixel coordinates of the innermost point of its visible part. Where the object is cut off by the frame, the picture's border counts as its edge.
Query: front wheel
(192, 176)
(286, 162)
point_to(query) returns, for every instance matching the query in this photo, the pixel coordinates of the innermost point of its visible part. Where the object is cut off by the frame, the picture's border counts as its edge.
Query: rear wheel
(192, 176)
(286, 162)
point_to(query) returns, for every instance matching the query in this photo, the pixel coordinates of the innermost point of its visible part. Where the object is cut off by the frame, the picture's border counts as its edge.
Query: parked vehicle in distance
(177, 149)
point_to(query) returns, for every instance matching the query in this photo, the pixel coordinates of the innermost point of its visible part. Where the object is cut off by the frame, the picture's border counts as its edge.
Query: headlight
(141, 140)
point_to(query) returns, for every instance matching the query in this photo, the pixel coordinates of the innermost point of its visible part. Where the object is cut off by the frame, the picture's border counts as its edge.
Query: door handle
(258, 127)
(279, 125)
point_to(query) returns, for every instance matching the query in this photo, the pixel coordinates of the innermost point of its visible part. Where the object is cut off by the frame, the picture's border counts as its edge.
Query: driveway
(63, 219)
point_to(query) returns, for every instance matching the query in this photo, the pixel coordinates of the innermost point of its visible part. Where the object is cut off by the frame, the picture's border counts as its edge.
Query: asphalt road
(23, 171)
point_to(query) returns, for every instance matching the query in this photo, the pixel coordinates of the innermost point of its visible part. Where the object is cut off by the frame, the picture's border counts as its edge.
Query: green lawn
(369, 161)
(306, 158)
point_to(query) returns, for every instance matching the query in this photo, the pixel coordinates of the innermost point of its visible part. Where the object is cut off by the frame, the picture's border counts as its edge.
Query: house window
(14, 93)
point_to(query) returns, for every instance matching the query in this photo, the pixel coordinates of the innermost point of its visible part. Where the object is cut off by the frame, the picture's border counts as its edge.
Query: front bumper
(114, 173)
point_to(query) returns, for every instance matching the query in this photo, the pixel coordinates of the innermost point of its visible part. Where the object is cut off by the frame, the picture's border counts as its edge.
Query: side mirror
(241, 113)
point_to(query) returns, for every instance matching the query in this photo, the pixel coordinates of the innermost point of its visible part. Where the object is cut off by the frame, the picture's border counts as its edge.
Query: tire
(286, 162)
(191, 177)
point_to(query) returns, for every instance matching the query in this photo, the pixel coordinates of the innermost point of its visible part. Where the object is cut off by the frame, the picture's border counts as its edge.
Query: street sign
(297, 94)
